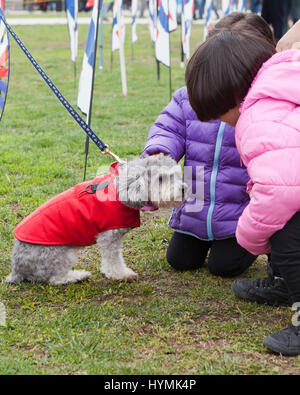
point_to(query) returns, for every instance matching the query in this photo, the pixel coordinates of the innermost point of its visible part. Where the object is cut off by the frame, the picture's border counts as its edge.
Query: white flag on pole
(152, 19)
(208, 18)
(117, 25)
(162, 42)
(241, 5)
(72, 17)
(226, 7)
(186, 25)
(86, 76)
(172, 15)
(118, 38)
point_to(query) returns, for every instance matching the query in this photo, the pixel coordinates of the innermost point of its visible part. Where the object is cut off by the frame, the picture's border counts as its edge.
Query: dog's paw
(11, 279)
(129, 275)
(73, 276)
(124, 274)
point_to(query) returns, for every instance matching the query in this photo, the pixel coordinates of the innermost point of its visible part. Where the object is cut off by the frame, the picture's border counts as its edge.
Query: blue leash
(92, 135)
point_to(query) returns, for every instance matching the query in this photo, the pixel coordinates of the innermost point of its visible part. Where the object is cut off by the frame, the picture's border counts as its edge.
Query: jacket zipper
(213, 180)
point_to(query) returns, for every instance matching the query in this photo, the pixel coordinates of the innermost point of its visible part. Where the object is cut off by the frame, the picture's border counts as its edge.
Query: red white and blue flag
(208, 18)
(86, 77)
(187, 12)
(4, 65)
(152, 19)
(162, 42)
(228, 6)
(116, 35)
(134, 6)
(241, 5)
(172, 15)
(72, 16)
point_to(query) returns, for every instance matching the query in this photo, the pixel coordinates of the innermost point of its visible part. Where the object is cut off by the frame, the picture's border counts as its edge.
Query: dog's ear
(133, 186)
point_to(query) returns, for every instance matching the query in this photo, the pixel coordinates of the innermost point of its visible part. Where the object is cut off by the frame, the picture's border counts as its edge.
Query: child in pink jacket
(236, 77)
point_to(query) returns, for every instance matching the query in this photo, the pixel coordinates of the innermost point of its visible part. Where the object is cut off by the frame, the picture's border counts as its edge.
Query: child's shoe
(285, 342)
(270, 290)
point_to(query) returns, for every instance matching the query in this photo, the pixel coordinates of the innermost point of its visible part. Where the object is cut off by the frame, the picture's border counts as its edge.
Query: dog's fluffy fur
(155, 180)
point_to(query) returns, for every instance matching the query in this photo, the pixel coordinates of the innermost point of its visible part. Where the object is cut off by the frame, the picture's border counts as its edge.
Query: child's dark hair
(221, 71)
(242, 23)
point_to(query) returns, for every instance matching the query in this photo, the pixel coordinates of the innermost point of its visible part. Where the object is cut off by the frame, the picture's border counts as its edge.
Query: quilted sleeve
(168, 133)
(274, 169)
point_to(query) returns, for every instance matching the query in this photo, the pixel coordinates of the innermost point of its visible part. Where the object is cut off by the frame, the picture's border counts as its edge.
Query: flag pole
(111, 54)
(132, 51)
(101, 40)
(75, 73)
(122, 54)
(170, 71)
(70, 30)
(182, 57)
(89, 115)
(157, 62)
(182, 35)
(133, 27)
(111, 61)
(170, 81)
(158, 70)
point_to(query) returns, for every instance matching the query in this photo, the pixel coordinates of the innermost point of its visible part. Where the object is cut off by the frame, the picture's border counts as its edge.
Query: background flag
(162, 42)
(134, 7)
(87, 71)
(117, 25)
(241, 6)
(118, 39)
(72, 16)
(4, 65)
(228, 6)
(86, 82)
(152, 19)
(172, 15)
(186, 25)
(208, 18)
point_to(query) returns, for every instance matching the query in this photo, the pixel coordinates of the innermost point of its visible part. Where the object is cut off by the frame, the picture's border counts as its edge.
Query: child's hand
(291, 40)
(287, 45)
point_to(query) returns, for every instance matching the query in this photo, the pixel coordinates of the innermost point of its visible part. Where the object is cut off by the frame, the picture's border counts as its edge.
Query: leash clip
(107, 151)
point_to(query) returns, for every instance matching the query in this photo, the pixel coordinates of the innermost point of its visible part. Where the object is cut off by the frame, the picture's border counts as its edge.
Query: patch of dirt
(147, 216)
(14, 206)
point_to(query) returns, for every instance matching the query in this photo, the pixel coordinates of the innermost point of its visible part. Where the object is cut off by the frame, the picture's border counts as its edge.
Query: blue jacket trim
(213, 180)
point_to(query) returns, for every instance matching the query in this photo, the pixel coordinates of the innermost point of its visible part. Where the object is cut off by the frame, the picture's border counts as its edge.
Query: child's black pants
(226, 258)
(285, 255)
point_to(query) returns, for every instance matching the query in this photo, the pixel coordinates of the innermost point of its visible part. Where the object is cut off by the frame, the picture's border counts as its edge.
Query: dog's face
(155, 180)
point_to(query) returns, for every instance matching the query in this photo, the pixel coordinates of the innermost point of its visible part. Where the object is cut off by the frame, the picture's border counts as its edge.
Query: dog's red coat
(75, 217)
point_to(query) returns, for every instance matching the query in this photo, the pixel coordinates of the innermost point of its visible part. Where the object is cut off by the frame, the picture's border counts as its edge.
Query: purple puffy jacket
(178, 132)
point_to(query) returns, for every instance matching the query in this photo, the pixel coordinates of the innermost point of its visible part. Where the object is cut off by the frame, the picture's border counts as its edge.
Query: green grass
(164, 323)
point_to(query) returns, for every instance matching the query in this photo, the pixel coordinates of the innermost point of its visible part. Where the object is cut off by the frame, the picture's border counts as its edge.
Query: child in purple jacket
(209, 221)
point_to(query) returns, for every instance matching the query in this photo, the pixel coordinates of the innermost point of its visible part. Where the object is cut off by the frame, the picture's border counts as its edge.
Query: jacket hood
(278, 78)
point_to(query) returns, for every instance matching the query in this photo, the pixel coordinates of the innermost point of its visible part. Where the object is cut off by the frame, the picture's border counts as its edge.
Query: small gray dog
(100, 211)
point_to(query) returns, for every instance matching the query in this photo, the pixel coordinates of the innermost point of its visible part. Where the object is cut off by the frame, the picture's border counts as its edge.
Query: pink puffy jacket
(268, 139)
